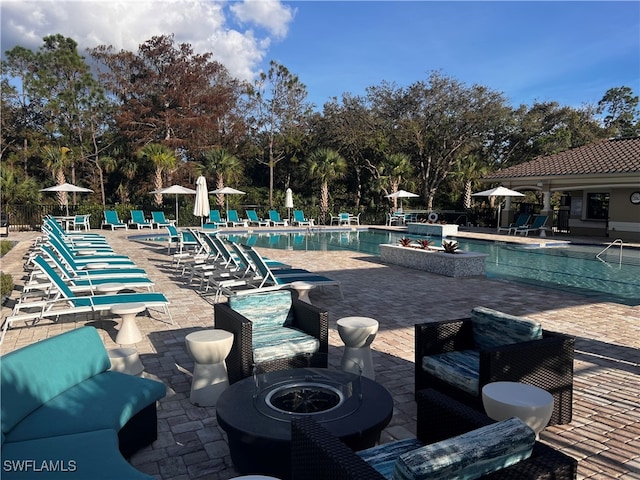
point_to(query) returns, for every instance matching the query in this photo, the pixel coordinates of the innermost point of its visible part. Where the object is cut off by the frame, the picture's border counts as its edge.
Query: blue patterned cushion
(383, 457)
(264, 309)
(492, 328)
(470, 455)
(271, 343)
(460, 369)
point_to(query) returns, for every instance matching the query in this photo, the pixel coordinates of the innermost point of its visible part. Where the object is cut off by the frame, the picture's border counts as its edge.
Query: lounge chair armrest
(311, 320)
(240, 359)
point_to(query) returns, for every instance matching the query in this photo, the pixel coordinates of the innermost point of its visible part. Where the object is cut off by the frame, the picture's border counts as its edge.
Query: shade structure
(402, 194)
(498, 192)
(226, 191)
(175, 190)
(201, 208)
(68, 188)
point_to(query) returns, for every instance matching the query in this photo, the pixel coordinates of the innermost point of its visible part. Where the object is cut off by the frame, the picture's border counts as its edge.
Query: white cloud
(126, 24)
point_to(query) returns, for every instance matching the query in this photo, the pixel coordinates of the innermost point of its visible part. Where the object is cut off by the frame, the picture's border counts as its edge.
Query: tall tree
(325, 165)
(620, 107)
(163, 159)
(221, 165)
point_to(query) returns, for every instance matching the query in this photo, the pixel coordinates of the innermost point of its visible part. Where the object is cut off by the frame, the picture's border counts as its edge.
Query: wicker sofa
(318, 455)
(277, 324)
(546, 361)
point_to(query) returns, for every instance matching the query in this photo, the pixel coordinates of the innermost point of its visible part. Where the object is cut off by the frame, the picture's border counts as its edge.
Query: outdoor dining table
(66, 220)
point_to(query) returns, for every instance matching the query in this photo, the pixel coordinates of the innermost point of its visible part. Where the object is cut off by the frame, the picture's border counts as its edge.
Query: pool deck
(604, 434)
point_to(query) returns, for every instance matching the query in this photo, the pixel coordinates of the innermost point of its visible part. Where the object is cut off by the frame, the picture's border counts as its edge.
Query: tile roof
(607, 157)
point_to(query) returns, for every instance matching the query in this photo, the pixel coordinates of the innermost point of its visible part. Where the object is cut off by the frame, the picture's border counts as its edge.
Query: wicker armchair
(318, 455)
(546, 363)
(240, 362)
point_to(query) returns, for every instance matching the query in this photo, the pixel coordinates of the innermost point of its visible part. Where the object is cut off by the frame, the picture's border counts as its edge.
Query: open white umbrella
(402, 194)
(227, 191)
(201, 208)
(175, 190)
(498, 192)
(67, 188)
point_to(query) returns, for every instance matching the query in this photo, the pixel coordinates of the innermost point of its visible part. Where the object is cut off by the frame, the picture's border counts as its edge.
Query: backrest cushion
(264, 309)
(470, 455)
(492, 328)
(38, 372)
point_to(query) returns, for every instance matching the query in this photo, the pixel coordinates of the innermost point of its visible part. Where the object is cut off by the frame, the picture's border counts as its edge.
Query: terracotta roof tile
(610, 156)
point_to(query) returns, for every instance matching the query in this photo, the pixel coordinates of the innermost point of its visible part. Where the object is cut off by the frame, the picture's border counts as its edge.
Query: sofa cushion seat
(278, 342)
(460, 369)
(383, 457)
(104, 401)
(271, 309)
(91, 455)
(470, 455)
(492, 328)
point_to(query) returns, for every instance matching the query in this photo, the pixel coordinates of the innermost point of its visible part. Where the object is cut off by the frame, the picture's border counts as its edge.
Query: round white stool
(95, 266)
(126, 360)
(111, 287)
(208, 348)
(303, 289)
(358, 333)
(530, 404)
(129, 332)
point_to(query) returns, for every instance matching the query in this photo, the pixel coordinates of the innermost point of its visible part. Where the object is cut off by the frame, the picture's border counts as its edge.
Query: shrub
(6, 284)
(5, 246)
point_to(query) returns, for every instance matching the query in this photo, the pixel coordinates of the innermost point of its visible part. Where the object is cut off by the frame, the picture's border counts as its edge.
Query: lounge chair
(159, 220)
(137, 219)
(49, 226)
(537, 225)
(111, 220)
(75, 260)
(274, 218)
(300, 220)
(234, 220)
(255, 220)
(215, 220)
(521, 221)
(68, 271)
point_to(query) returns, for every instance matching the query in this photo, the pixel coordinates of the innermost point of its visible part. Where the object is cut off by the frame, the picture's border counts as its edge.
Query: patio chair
(159, 220)
(342, 218)
(111, 220)
(215, 220)
(81, 222)
(274, 218)
(459, 357)
(300, 220)
(538, 224)
(446, 430)
(137, 219)
(354, 219)
(273, 331)
(255, 220)
(521, 221)
(234, 220)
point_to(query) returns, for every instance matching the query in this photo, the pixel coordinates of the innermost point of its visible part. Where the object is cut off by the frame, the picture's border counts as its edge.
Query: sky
(569, 52)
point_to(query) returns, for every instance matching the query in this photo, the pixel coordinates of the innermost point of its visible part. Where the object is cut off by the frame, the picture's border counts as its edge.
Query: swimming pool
(572, 268)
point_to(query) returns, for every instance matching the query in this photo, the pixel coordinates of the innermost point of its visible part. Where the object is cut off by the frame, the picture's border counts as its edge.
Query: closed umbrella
(402, 194)
(201, 208)
(66, 187)
(175, 190)
(498, 192)
(226, 191)
(288, 202)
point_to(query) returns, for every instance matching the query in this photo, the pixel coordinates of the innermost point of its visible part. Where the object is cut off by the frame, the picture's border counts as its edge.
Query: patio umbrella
(288, 202)
(498, 192)
(402, 194)
(227, 191)
(175, 190)
(201, 208)
(67, 188)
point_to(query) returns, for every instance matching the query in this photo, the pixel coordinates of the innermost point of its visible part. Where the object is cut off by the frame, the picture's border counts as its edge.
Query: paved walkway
(604, 435)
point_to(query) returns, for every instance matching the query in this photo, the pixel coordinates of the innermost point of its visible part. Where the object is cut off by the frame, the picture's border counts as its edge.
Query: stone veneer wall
(462, 264)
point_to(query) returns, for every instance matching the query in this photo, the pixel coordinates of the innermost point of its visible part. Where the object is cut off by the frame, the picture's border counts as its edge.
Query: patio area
(604, 434)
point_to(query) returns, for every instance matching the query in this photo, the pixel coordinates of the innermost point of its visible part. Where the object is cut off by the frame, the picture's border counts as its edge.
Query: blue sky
(569, 52)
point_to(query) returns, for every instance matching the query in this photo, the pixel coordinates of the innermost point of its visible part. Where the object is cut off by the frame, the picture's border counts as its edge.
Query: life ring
(433, 217)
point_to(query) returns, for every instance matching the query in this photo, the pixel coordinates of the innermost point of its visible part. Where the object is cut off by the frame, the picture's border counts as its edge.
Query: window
(597, 206)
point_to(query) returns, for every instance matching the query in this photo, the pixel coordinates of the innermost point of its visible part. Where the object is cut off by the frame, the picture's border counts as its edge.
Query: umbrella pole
(176, 210)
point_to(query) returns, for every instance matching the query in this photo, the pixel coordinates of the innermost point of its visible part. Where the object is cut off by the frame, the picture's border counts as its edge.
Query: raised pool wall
(461, 264)
(433, 229)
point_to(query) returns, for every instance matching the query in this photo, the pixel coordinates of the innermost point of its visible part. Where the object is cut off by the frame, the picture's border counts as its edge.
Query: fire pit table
(256, 414)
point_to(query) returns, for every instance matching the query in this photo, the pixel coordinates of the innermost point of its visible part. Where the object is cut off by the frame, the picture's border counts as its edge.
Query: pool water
(573, 268)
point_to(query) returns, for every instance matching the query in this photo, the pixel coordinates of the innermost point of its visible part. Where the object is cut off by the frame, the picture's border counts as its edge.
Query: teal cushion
(470, 455)
(33, 375)
(91, 455)
(383, 457)
(278, 342)
(264, 309)
(107, 400)
(492, 328)
(460, 369)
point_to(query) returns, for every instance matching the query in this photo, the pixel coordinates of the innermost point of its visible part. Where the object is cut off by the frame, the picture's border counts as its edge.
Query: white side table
(209, 349)
(111, 287)
(129, 332)
(303, 289)
(532, 405)
(95, 266)
(358, 333)
(126, 360)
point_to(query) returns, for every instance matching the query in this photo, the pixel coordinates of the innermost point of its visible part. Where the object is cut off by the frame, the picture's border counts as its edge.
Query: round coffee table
(260, 436)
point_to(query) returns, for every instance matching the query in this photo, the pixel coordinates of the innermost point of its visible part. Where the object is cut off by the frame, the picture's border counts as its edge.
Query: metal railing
(617, 241)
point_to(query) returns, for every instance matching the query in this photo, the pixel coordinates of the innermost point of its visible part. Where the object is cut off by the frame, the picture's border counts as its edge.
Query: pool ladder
(617, 241)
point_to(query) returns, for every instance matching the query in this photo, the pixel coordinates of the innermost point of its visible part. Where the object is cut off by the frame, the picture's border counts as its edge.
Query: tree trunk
(324, 202)
(158, 184)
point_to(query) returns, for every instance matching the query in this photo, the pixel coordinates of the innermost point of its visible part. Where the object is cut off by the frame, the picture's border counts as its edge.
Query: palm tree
(218, 163)
(163, 159)
(325, 165)
(469, 170)
(398, 168)
(56, 161)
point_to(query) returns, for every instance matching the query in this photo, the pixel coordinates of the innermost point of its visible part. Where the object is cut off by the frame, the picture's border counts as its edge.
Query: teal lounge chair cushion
(460, 369)
(470, 455)
(492, 328)
(383, 457)
(265, 310)
(276, 342)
